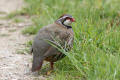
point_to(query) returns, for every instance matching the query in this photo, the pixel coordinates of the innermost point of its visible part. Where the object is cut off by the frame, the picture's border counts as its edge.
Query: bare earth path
(13, 66)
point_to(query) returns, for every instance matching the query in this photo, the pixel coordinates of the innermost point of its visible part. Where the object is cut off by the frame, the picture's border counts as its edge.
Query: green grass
(25, 50)
(30, 30)
(18, 20)
(96, 51)
(16, 13)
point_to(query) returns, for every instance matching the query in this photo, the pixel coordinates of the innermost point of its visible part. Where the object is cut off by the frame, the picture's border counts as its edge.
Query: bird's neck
(68, 26)
(62, 24)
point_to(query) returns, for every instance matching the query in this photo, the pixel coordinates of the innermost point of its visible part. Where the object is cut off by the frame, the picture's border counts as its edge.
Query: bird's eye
(68, 18)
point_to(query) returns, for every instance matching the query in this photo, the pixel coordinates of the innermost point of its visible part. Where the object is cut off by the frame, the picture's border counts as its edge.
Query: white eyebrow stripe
(62, 17)
(65, 16)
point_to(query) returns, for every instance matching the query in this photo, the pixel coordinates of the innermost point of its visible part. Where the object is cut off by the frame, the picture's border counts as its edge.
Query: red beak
(73, 20)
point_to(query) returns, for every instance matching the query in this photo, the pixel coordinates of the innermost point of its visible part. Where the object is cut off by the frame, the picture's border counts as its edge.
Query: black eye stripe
(67, 18)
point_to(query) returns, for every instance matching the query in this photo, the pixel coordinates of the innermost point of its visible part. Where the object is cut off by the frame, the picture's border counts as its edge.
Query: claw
(49, 72)
(51, 69)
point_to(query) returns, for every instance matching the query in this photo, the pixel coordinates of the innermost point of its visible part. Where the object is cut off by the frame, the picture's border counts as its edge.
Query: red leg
(51, 65)
(51, 68)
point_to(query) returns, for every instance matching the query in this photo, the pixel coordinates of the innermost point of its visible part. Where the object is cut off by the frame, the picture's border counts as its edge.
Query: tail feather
(31, 50)
(37, 63)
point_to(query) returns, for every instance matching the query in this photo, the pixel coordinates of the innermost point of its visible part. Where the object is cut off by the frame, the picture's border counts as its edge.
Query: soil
(14, 66)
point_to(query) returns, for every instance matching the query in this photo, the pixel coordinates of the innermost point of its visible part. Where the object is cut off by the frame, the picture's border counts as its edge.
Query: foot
(49, 72)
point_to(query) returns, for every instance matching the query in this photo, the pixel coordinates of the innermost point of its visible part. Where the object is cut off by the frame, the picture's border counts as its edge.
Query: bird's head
(66, 20)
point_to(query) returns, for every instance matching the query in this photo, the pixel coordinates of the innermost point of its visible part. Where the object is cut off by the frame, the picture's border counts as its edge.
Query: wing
(39, 47)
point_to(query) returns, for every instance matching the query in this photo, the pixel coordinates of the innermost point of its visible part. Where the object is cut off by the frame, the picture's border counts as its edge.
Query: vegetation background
(96, 51)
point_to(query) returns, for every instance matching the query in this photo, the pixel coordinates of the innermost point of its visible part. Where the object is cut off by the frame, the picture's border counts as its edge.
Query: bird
(60, 32)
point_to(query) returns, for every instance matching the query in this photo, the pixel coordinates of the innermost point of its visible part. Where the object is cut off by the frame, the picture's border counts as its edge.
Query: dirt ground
(14, 66)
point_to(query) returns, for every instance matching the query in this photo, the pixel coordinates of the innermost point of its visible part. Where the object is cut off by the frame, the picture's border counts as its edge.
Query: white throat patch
(67, 22)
